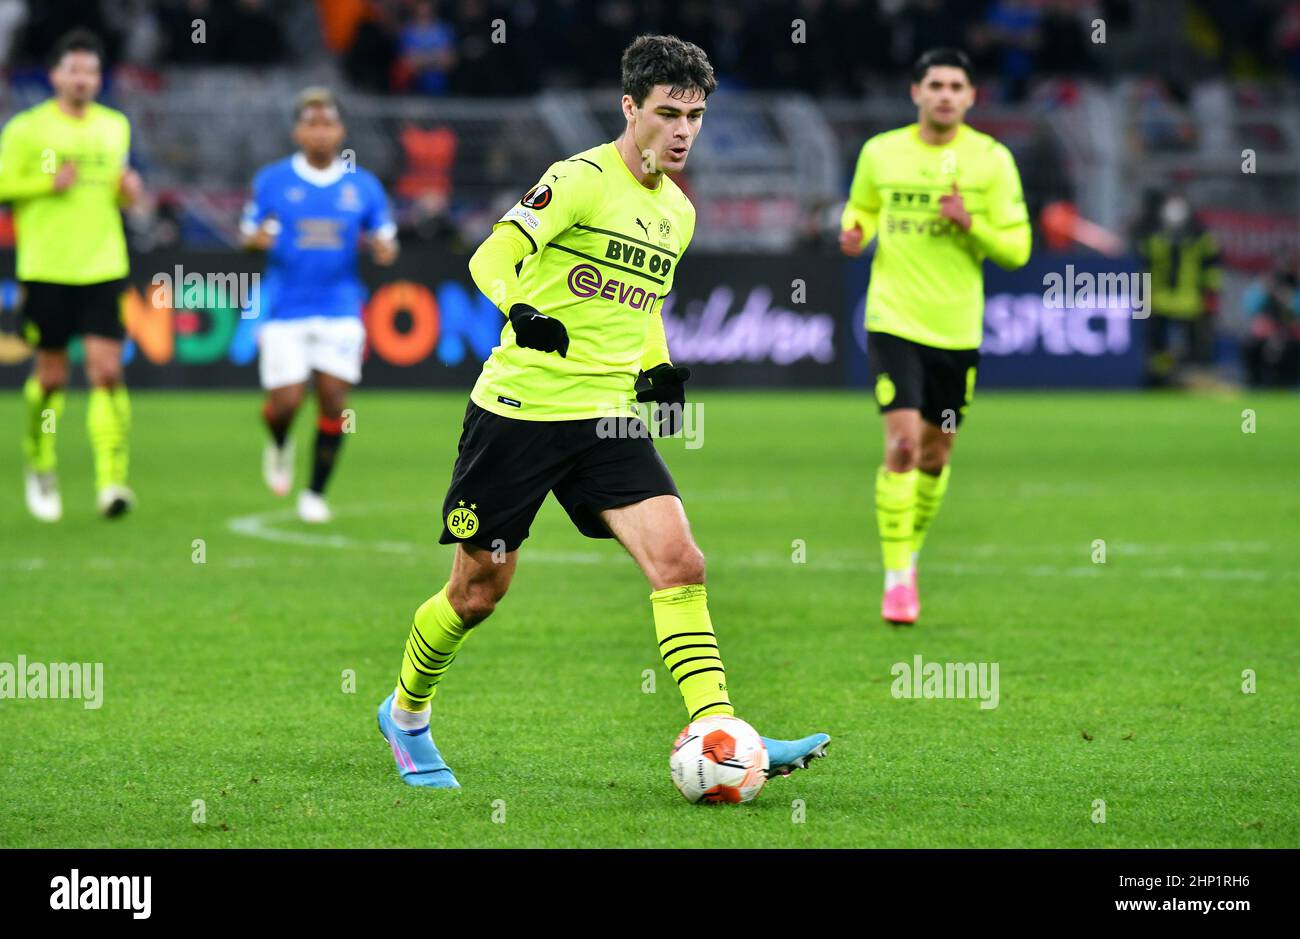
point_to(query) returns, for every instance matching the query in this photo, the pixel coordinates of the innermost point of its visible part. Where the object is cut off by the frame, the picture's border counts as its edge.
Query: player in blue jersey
(311, 212)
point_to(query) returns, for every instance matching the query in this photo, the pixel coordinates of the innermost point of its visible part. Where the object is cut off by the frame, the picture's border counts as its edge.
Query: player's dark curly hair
(666, 60)
(942, 56)
(77, 40)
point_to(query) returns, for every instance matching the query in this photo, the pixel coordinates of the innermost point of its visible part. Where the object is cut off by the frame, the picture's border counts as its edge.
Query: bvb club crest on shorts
(885, 390)
(461, 521)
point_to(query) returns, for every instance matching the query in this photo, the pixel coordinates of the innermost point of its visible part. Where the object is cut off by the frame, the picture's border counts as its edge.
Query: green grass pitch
(1123, 682)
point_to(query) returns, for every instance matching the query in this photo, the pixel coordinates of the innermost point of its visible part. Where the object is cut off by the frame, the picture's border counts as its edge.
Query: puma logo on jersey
(644, 227)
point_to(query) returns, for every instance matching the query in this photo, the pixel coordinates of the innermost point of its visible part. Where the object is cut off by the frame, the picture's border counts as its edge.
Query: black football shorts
(54, 313)
(937, 382)
(506, 466)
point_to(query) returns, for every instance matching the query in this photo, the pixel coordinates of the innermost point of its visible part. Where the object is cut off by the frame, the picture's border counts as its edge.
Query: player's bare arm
(383, 250)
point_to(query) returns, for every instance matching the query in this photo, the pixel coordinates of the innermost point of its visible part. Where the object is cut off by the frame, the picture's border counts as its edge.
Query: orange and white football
(719, 759)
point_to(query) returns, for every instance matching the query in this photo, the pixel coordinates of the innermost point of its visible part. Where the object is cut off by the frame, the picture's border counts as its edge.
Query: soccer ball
(719, 759)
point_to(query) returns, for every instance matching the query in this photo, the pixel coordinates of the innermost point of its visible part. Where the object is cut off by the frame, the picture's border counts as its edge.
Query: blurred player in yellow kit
(63, 165)
(939, 197)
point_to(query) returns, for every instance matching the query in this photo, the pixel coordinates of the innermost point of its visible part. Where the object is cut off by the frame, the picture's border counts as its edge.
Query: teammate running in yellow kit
(939, 198)
(63, 165)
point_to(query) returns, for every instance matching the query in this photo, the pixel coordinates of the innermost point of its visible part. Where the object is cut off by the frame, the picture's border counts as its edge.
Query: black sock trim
(694, 658)
(711, 704)
(411, 694)
(680, 635)
(701, 671)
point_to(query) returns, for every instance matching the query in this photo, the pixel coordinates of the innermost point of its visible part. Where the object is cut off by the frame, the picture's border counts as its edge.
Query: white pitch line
(260, 525)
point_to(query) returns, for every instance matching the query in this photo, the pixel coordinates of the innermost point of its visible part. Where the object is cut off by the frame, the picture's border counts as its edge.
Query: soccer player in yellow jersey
(63, 165)
(596, 242)
(939, 198)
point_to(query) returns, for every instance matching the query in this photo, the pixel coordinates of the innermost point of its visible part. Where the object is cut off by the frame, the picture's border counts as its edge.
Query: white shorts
(290, 350)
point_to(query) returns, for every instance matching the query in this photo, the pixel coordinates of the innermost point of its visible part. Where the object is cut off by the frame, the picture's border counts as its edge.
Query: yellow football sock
(43, 413)
(108, 422)
(895, 516)
(690, 649)
(929, 496)
(436, 634)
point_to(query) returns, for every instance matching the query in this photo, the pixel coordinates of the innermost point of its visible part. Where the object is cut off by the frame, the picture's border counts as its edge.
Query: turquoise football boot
(418, 760)
(786, 756)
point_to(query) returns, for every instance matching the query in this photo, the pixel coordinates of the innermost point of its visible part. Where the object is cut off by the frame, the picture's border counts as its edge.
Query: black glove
(666, 388)
(538, 331)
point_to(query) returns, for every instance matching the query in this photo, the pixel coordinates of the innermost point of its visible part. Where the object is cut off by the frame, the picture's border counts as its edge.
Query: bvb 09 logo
(462, 522)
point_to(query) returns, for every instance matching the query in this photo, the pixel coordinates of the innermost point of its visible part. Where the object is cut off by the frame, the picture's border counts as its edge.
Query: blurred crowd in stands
(1157, 53)
(437, 48)
(151, 33)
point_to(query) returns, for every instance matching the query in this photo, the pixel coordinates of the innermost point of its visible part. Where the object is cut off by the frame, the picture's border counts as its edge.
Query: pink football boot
(900, 604)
